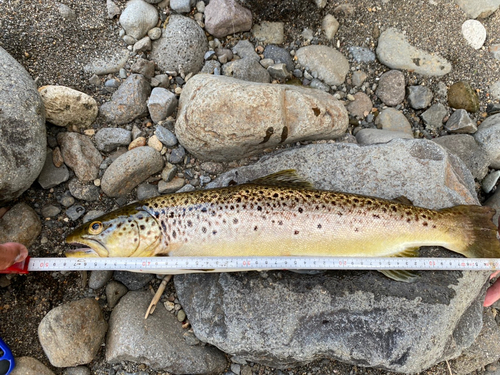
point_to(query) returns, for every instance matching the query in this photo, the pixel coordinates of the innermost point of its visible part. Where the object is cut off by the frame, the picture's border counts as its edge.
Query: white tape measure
(177, 265)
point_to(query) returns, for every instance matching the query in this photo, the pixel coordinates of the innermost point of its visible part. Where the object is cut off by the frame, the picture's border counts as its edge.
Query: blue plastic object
(6, 359)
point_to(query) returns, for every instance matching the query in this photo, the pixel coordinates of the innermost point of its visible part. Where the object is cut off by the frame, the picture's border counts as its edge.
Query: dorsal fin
(285, 178)
(403, 200)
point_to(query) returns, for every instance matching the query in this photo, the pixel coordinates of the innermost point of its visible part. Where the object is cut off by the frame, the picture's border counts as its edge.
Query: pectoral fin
(405, 276)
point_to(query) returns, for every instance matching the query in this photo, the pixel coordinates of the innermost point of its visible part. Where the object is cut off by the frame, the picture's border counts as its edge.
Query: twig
(449, 367)
(157, 296)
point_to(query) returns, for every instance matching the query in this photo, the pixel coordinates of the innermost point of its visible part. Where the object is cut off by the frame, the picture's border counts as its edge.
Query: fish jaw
(83, 252)
(94, 249)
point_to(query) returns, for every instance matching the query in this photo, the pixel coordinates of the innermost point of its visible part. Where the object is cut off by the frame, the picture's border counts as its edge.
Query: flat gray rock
(362, 54)
(182, 46)
(373, 136)
(330, 65)
(50, 175)
(394, 51)
(460, 122)
(357, 317)
(20, 224)
(157, 341)
(130, 169)
(161, 104)
(71, 334)
(237, 127)
(111, 64)
(478, 8)
(129, 101)
(419, 97)
(488, 135)
(466, 148)
(393, 120)
(247, 70)
(109, 139)
(434, 116)
(22, 129)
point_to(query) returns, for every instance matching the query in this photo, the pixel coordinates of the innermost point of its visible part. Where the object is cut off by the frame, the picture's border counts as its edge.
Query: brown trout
(281, 215)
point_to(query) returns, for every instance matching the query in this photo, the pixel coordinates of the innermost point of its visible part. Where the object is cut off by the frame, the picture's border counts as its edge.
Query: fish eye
(96, 227)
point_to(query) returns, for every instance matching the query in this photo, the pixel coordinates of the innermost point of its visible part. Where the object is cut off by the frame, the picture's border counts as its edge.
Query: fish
(284, 215)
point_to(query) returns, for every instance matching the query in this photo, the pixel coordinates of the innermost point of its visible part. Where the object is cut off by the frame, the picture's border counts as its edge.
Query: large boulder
(222, 118)
(22, 129)
(283, 319)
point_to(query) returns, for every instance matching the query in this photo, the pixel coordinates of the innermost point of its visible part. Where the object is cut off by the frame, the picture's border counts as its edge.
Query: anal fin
(405, 276)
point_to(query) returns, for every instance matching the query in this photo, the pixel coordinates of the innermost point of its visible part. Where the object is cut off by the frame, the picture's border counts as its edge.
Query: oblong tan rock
(65, 106)
(222, 118)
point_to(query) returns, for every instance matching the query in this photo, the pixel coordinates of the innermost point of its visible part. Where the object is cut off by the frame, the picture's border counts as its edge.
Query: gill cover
(126, 232)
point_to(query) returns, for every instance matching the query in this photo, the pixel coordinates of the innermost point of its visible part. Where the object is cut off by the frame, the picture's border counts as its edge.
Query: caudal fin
(475, 231)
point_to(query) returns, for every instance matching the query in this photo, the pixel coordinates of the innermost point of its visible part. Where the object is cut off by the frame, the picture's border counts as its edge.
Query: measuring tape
(178, 265)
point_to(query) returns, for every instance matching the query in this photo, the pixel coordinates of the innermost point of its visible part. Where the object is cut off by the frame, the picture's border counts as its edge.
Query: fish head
(127, 232)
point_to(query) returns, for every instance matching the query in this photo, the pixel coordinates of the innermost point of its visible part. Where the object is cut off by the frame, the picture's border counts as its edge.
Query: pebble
(247, 70)
(67, 200)
(65, 106)
(138, 142)
(362, 54)
(80, 154)
(329, 64)
(129, 170)
(495, 51)
(245, 49)
(133, 280)
(224, 17)
(146, 191)
(330, 25)
(307, 34)
(478, 8)
(488, 136)
(114, 291)
(166, 136)
(182, 6)
(236, 368)
(160, 80)
(154, 33)
(111, 64)
(83, 191)
(112, 83)
(169, 305)
(51, 175)
(20, 224)
(269, 32)
(266, 63)
(161, 104)
(474, 33)
(80, 370)
(169, 172)
(361, 106)
(317, 84)
(181, 315)
(98, 279)
(391, 88)
(433, 117)
(144, 67)
(109, 139)
(490, 181)
(358, 78)
(66, 12)
(466, 148)
(279, 72)
(78, 327)
(170, 187)
(462, 96)
(279, 55)
(75, 212)
(419, 97)
(138, 18)
(460, 122)
(181, 47)
(200, 6)
(129, 101)
(142, 45)
(224, 55)
(50, 211)
(177, 155)
(30, 366)
(113, 9)
(373, 136)
(155, 143)
(394, 51)
(212, 167)
(129, 40)
(495, 90)
(393, 120)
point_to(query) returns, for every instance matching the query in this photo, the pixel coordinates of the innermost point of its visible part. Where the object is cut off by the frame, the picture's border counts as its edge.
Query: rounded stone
(462, 96)
(22, 129)
(138, 18)
(393, 120)
(30, 366)
(78, 327)
(181, 47)
(20, 224)
(65, 106)
(330, 65)
(129, 170)
(391, 87)
(474, 33)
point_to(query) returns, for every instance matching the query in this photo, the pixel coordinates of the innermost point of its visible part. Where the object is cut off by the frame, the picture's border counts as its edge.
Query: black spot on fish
(171, 215)
(296, 232)
(319, 226)
(163, 225)
(142, 227)
(174, 234)
(204, 229)
(376, 216)
(214, 232)
(280, 222)
(259, 208)
(425, 223)
(276, 195)
(235, 221)
(204, 209)
(238, 200)
(255, 228)
(301, 210)
(189, 223)
(140, 217)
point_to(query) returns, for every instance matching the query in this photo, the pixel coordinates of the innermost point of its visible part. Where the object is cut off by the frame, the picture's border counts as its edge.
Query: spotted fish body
(266, 218)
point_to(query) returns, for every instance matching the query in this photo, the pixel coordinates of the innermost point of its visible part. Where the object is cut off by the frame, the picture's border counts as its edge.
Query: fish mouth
(93, 248)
